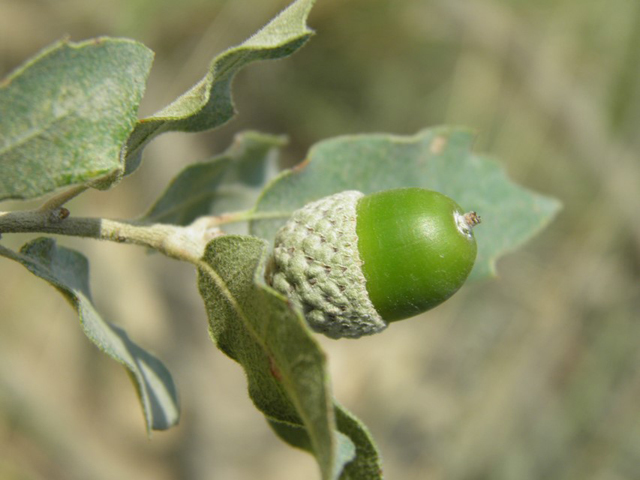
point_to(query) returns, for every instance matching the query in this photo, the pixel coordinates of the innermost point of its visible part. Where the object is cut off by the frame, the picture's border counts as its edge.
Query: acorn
(353, 263)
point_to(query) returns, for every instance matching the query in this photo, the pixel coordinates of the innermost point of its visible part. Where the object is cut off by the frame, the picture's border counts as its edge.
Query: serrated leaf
(209, 104)
(66, 114)
(438, 159)
(68, 271)
(227, 182)
(285, 367)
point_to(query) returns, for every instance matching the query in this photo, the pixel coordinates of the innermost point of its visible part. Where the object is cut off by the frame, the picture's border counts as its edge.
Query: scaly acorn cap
(353, 263)
(317, 265)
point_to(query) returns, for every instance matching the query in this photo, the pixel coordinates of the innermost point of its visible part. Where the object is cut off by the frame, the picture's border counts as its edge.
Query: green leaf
(297, 436)
(361, 463)
(286, 370)
(228, 182)
(67, 113)
(208, 104)
(438, 159)
(366, 463)
(68, 271)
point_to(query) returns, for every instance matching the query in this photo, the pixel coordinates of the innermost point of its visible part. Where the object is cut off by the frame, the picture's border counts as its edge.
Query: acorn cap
(316, 264)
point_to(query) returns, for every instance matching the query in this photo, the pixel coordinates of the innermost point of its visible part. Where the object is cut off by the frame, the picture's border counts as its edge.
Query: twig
(182, 243)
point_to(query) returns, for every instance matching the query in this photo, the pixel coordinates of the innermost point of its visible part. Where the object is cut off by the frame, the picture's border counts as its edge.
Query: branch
(182, 243)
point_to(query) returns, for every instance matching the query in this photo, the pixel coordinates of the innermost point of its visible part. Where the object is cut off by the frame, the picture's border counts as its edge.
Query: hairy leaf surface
(66, 114)
(285, 367)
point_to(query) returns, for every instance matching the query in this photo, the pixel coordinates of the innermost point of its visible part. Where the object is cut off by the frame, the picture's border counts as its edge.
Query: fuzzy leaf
(66, 114)
(68, 271)
(438, 159)
(366, 463)
(227, 182)
(297, 436)
(363, 463)
(285, 367)
(209, 104)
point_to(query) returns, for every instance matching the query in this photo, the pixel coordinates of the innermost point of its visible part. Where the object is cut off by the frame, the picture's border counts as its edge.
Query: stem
(471, 219)
(245, 216)
(466, 221)
(62, 198)
(182, 243)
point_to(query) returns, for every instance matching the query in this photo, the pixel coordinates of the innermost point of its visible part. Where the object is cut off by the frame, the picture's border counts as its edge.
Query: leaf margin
(157, 416)
(97, 178)
(169, 117)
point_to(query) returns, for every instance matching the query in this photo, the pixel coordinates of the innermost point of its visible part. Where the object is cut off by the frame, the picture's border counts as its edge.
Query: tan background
(534, 375)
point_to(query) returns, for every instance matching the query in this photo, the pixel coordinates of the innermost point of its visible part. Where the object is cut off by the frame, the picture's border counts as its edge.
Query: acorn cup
(353, 263)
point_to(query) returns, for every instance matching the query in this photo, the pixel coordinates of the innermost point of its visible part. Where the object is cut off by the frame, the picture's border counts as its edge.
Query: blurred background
(533, 375)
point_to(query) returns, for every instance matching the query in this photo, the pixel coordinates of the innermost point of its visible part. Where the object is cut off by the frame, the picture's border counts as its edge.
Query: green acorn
(353, 263)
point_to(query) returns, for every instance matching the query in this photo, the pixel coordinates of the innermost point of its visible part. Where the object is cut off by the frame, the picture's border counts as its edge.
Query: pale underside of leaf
(357, 456)
(68, 271)
(285, 367)
(437, 159)
(296, 436)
